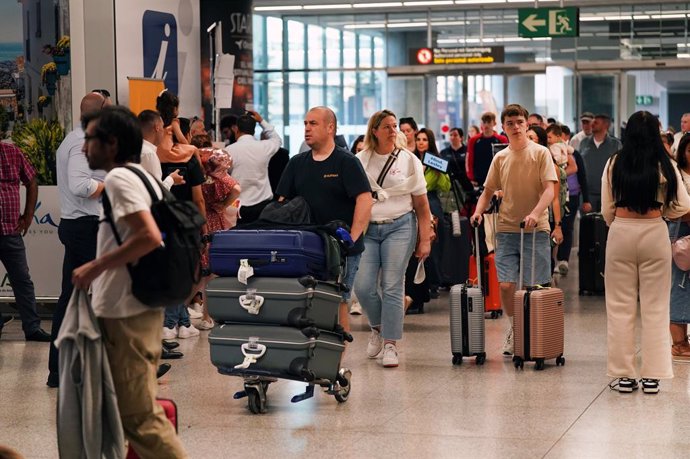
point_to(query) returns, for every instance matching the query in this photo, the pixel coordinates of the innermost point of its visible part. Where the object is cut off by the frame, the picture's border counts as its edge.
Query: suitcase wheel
(344, 384)
(539, 364)
(518, 362)
(256, 397)
(457, 359)
(560, 360)
(481, 358)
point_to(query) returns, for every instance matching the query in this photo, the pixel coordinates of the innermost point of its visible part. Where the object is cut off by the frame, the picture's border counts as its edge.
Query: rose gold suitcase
(538, 320)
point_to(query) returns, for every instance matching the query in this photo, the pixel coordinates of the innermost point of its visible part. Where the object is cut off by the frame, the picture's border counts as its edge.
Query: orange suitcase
(492, 294)
(538, 320)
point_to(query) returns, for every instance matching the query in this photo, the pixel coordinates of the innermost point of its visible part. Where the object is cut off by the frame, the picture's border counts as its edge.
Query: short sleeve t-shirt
(520, 174)
(193, 176)
(405, 166)
(112, 290)
(330, 187)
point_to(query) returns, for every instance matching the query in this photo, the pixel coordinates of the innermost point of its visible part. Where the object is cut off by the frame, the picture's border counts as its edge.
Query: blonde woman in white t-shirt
(397, 181)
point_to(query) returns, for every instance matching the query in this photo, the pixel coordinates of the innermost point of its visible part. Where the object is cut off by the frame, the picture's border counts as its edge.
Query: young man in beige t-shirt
(525, 174)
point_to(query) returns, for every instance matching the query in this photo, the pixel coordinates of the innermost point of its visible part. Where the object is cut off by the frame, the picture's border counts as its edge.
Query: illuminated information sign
(451, 56)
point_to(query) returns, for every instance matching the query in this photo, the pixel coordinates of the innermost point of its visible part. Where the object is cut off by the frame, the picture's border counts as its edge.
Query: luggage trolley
(257, 380)
(279, 329)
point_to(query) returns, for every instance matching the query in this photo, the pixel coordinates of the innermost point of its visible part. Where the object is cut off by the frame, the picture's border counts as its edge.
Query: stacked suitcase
(279, 321)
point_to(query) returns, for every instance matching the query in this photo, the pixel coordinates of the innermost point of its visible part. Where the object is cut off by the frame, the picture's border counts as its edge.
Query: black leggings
(567, 226)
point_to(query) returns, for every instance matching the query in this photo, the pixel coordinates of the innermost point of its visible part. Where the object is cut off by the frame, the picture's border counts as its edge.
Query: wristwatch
(557, 224)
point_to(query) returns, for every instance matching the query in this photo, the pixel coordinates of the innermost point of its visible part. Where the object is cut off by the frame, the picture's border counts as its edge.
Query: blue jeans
(177, 315)
(351, 268)
(387, 250)
(13, 257)
(508, 258)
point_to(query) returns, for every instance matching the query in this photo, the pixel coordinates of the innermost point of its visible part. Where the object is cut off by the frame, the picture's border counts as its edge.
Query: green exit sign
(644, 100)
(548, 22)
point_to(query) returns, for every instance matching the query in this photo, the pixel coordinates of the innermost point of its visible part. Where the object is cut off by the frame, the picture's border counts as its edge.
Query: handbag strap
(387, 167)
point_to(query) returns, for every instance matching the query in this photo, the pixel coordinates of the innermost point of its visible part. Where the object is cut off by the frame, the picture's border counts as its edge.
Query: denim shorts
(508, 258)
(351, 267)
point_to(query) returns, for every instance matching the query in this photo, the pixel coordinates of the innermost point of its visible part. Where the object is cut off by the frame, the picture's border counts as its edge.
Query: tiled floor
(424, 408)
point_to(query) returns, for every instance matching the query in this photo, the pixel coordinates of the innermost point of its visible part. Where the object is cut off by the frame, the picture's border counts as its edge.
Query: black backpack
(166, 275)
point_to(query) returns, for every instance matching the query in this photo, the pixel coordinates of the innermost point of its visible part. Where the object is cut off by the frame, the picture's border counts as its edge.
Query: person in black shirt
(333, 182)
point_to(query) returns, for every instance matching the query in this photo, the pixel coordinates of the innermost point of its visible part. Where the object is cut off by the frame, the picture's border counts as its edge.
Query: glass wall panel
(334, 46)
(274, 43)
(315, 40)
(296, 45)
(294, 132)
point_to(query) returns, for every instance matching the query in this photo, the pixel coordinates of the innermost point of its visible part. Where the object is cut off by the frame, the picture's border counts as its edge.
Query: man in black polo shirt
(333, 182)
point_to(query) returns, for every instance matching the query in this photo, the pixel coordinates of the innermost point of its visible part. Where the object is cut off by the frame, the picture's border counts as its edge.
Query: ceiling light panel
(335, 6)
(377, 5)
(278, 8)
(429, 3)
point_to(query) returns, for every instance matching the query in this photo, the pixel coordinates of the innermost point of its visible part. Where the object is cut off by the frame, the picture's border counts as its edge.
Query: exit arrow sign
(548, 22)
(532, 24)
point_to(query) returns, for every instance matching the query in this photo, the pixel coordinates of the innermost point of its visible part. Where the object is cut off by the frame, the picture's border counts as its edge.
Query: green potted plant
(49, 77)
(43, 102)
(39, 140)
(61, 54)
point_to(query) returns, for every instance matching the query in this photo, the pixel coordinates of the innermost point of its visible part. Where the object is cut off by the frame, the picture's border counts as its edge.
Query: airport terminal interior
(425, 408)
(358, 57)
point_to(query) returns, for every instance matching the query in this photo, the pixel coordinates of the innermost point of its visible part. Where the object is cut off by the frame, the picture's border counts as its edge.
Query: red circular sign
(445, 128)
(425, 56)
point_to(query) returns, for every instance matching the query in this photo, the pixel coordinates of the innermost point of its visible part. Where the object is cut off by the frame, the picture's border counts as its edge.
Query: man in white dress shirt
(684, 128)
(80, 189)
(250, 158)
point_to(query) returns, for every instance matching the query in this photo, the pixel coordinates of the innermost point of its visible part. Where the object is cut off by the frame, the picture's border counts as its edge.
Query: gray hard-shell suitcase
(296, 303)
(272, 351)
(467, 328)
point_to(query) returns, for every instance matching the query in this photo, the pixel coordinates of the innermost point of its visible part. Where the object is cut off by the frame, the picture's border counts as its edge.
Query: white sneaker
(390, 356)
(187, 332)
(205, 324)
(562, 267)
(508, 343)
(375, 345)
(195, 311)
(356, 308)
(169, 333)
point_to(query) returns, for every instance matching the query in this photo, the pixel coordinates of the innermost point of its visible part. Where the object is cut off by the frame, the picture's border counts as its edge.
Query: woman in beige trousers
(639, 186)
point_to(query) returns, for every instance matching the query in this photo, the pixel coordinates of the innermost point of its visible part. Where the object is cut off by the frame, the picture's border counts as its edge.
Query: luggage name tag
(249, 358)
(245, 271)
(251, 301)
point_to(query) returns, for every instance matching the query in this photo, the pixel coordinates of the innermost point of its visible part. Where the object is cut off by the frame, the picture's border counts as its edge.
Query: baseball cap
(589, 116)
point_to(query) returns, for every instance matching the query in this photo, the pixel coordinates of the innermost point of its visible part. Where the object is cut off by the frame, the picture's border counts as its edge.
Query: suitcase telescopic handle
(522, 253)
(477, 254)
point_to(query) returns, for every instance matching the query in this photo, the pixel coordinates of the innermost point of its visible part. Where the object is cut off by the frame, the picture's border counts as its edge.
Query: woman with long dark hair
(425, 143)
(640, 185)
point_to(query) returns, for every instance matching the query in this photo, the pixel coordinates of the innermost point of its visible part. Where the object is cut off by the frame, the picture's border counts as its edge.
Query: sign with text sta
(548, 22)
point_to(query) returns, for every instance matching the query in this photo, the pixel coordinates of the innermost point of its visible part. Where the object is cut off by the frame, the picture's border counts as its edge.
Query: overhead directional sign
(548, 22)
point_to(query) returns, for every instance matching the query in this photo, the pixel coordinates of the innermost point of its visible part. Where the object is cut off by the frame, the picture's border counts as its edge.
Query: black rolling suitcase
(263, 353)
(592, 253)
(455, 251)
(298, 303)
(467, 327)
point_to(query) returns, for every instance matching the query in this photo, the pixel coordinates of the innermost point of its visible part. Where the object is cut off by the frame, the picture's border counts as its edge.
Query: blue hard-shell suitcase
(271, 253)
